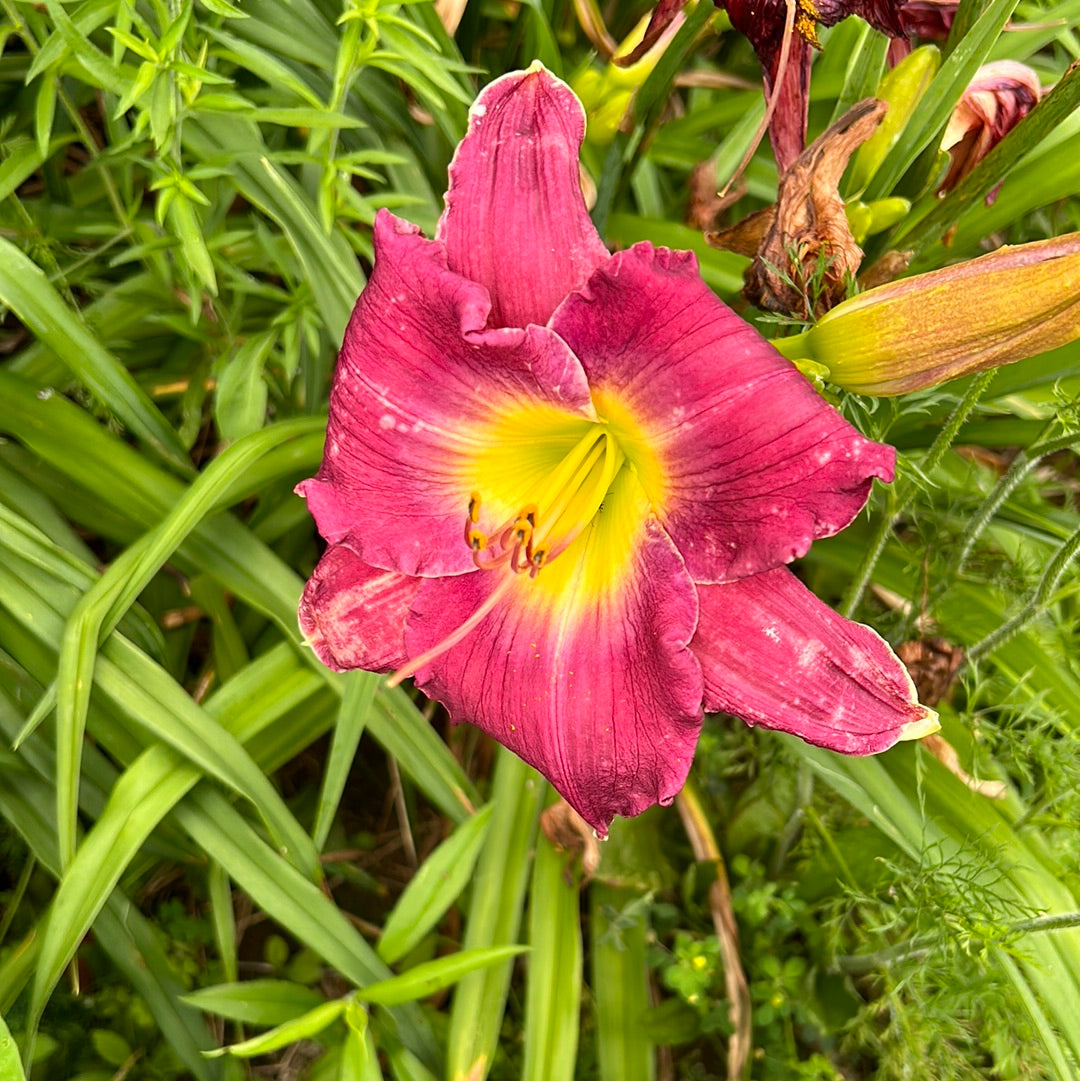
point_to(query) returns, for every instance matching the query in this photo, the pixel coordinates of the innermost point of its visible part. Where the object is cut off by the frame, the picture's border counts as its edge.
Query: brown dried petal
(886, 269)
(946, 754)
(809, 245)
(569, 832)
(932, 664)
(450, 13)
(746, 236)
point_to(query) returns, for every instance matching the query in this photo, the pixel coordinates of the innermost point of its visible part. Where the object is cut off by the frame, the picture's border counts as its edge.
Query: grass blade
(553, 987)
(25, 289)
(356, 704)
(620, 988)
(434, 888)
(494, 918)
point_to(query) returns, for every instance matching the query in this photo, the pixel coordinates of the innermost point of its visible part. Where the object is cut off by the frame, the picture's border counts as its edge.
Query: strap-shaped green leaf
(25, 289)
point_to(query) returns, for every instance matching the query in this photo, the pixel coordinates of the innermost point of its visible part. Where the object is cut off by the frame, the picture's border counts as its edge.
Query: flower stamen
(569, 499)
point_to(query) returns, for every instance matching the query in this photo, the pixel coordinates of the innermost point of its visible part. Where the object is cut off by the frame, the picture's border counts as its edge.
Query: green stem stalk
(900, 500)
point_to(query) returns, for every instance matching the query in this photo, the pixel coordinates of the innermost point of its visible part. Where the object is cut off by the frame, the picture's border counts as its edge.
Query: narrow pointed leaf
(26, 290)
(436, 886)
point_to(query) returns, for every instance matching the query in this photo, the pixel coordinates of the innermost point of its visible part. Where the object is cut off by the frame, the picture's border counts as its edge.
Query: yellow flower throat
(570, 470)
(567, 500)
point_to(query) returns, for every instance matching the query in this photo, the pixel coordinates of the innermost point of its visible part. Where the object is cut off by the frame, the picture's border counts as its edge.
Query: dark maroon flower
(784, 40)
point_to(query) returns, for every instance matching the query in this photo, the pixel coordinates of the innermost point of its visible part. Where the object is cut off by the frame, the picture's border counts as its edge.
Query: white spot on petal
(386, 422)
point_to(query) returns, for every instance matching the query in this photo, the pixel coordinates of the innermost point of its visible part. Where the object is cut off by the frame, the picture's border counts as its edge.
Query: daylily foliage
(561, 488)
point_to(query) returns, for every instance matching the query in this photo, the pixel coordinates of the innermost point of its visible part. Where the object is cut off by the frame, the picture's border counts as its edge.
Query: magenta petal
(515, 219)
(417, 378)
(773, 654)
(353, 615)
(757, 464)
(598, 691)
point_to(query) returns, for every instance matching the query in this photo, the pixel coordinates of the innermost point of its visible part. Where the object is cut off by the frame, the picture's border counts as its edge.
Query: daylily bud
(606, 94)
(996, 100)
(902, 90)
(921, 331)
(866, 219)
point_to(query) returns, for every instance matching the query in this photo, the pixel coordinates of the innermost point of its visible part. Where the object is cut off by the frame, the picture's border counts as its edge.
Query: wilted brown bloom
(569, 832)
(996, 100)
(933, 664)
(804, 254)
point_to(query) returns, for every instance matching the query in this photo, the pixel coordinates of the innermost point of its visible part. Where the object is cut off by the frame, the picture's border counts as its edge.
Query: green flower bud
(902, 90)
(607, 94)
(866, 219)
(921, 331)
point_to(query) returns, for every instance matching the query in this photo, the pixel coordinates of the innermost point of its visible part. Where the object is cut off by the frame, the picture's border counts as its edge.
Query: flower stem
(853, 596)
(895, 955)
(1021, 466)
(1036, 604)
(900, 500)
(703, 841)
(979, 385)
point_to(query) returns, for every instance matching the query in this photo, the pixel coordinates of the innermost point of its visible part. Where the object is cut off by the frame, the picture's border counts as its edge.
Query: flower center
(554, 513)
(539, 482)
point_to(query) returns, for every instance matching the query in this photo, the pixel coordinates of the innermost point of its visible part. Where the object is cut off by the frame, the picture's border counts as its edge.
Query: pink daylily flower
(560, 488)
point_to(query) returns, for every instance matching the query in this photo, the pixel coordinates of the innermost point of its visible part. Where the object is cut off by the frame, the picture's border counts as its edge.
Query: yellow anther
(806, 17)
(477, 540)
(474, 507)
(523, 528)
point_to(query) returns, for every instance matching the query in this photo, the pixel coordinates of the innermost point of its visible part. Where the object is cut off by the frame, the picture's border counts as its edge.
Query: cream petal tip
(925, 726)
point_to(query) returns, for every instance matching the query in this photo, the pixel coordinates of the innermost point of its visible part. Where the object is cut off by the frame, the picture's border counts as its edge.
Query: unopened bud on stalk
(901, 89)
(607, 94)
(921, 331)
